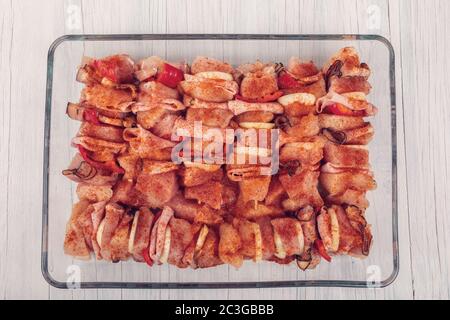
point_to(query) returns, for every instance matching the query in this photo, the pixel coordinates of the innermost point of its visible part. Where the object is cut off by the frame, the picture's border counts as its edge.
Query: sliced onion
(201, 239)
(291, 166)
(358, 222)
(305, 214)
(166, 249)
(83, 75)
(282, 122)
(99, 234)
(334, 70)
(133, 233)
(280, 252)
(367, 241)
(84, 171)
(335, 136)
(304, 260)
(279, 67)
(335, 230)
(75, 111)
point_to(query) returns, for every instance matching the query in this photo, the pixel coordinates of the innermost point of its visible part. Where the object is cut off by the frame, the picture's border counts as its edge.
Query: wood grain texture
(425, 65)
(6, 26)
(418, 31)
(21, 276)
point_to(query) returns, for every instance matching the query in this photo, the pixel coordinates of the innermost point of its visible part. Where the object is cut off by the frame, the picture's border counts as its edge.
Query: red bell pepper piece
(117, 68)
(147, 258)
(84, 155)
(91, 116)
(340, 110)
(286, 81)
(112, 166)
(109, 165)
(268, 98)
(321, 249)
(157, 216)
(170, 76)
(107, 68)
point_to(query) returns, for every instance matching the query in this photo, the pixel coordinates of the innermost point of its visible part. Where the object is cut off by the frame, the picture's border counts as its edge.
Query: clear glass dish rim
(217, 285)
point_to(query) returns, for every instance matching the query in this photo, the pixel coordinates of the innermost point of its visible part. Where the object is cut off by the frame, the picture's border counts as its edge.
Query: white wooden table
(419, 31)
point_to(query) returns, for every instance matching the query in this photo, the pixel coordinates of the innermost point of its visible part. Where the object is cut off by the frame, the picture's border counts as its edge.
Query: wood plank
(71, 22)
(403, 286)
(28, 56)
(425, 43)
(6, 33)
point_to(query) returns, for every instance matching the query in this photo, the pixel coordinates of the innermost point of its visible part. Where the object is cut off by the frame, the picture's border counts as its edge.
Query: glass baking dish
(378, 270)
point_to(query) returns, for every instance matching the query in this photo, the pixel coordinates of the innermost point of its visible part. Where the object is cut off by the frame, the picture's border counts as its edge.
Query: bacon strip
(113, 215)
(202, 64)
(200, 104)
(357, 105)
(158, 234)
(350, 84)
(142, 235)
(211, 90)
(172, 105)
(108, 98)
(336, 183)
(143, 142)
(238, 107)
(305, 72)
(182, 234)
(348, 156)
(102, 132)
(93, 144)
